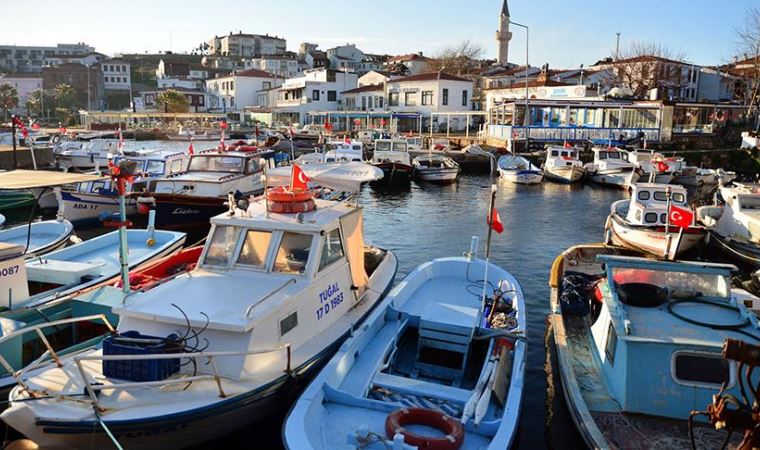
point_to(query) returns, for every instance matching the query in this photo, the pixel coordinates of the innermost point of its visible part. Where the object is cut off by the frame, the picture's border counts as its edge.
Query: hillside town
(247, 78)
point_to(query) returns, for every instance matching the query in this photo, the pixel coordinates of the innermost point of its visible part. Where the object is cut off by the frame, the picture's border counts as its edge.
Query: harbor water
(428, 221)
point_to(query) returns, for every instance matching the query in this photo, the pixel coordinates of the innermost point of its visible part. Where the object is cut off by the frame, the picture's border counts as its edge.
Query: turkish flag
(662, 166)
(347, 140)
(190, 150)
(298, 179)
(328, 126)
(567, 145)
(497, 224)
(680, 217)
(223, 124)
(35, 126)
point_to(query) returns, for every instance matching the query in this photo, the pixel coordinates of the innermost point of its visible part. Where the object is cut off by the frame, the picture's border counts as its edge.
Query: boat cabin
(149, 165)
(342, 151)
(562, 156)
(610, 154)
(649, 202)
(653, 357)
(263, 280)
(387, 145)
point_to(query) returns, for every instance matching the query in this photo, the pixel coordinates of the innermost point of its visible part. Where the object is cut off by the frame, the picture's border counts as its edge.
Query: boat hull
(46, 237)
(566, 175)
(438, 176)
(82, 208)
(617, 179)
(10, 200)
(522, 176)
(742, 252)
(186, 212)
(394, 174)
(653, 239)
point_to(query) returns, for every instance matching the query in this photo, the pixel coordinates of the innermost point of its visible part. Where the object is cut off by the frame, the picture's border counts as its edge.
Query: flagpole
(667, 225)
(488, 252)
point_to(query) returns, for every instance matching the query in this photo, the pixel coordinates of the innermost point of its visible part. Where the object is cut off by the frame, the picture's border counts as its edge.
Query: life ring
(284, 195)
(292, 207)
(453, 439)
(246, 148)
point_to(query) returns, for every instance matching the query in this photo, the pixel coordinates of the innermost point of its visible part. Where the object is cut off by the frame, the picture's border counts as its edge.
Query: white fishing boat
(611, 168)
(436, 168)
(434, 353)
(563, 164)
(642, 222)
(696, 177)
(85, 155)
(39, 238)
(310, 132)
(95, 201)
(335, 151)
(519, 170)
(392, 157)
(288, 289)
(733, 223)
(653, 167)
(188, 199)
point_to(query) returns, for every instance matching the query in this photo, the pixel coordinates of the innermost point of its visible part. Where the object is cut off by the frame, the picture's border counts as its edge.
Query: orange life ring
(285, 195)
(406, 416)
(292, 207)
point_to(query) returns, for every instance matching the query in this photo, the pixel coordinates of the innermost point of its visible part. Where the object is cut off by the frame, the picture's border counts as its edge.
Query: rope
(736, 327)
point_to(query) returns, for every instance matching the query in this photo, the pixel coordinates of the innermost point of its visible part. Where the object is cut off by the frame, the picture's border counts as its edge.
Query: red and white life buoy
(402, 417)
(285, 201)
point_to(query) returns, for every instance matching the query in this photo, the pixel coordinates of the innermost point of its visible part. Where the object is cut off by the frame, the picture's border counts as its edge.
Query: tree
(459, 59)
(645, 66)
(65, 99)
(39, 102)
(172, 101)
(748, 70)
(8, 98)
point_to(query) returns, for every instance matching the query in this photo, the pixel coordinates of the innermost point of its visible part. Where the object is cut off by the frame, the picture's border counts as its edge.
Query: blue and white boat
(95, 201)
(639, 344)
(272, 298)
(430, 354)
(516, 169)
(39, 238)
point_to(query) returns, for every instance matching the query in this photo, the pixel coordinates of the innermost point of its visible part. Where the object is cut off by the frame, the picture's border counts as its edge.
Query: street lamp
(527, 66)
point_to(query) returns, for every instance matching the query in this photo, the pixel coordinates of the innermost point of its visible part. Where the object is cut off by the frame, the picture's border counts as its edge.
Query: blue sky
(564, 33)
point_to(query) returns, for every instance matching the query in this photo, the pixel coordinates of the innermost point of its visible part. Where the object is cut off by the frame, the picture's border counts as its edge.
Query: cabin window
(643, 195)
(357, 147)
(678, 197)
(221, 246)
(555, 153)
(253, 165)
(700, 369)
(650, 217)
(332, 249)
(254, 250)
(176, 166)
(410, 98)
(602, 155)
(293, 253)
(661, 196)
(203, 163)
(155, 168)
(610, 344)
(288, 323)
(332, 96)
(393, 99)
(663, 218)
(681, 285)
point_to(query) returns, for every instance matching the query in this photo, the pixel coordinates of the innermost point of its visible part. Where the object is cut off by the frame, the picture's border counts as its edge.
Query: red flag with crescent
(680, 217)
(662, 166)
(298, 179)
(190, 150)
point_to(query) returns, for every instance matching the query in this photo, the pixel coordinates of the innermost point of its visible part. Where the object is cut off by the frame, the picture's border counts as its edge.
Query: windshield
(399, 146)
(221, 245)
(382, 146)
(216, 163)
(155, 168)
(680, 284)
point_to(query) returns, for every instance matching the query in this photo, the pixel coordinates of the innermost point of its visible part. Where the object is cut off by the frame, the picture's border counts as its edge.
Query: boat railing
(94, 386)
(266, 297)
(49, 351)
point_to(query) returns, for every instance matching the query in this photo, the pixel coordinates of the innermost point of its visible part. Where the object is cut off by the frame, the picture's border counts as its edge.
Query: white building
(85, 59)
(241, 89)
(373, 78)
(280, 65)
(245, 45)
(116, 75)
(314, 90)
(715, 86)
(21, 58)
(412, 64)
(25, 83)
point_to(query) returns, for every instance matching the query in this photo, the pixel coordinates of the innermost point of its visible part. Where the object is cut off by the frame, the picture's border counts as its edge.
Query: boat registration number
(83, 206)
(329, 300)
(8, 271)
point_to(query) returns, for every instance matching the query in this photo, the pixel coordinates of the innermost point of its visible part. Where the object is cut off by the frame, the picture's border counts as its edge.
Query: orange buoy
(401, 417)
(285, 201)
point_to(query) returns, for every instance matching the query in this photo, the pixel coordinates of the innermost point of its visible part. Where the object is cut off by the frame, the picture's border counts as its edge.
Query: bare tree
(458, 59)
(748, 68)
(645, 66)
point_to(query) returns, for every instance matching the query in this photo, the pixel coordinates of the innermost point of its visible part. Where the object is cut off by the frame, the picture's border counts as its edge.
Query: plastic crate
(139, 370)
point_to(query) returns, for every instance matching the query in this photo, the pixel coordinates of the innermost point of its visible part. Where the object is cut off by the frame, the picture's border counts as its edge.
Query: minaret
(503, 36)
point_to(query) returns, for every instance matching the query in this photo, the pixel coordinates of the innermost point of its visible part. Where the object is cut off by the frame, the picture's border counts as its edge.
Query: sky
(563, 33)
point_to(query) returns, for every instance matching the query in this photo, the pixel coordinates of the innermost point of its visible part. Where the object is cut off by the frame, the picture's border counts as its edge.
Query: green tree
(65, 102)
(172, 101)
(8, 98)
(39, 102)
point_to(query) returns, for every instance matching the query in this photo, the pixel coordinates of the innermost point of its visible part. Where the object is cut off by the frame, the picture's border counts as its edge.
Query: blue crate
(139, 370)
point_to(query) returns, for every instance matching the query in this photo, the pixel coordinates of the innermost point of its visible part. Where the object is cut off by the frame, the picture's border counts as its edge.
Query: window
(315, 95)
(643, 195)
(254, 250)
(118, 68)
(332, 96)
(699, 369)
(464, 98)
(364, 103)
(221, 245)
(288, 323)
(176, 166)
(661, 196)
(678, 197)
(427, 97)
(123, 68)
(232, 85)
(555, 153)
(611, 344)
(380, 102)
(410, 99)
(445, 100)
(267, 85)
(332, 250)
(393, 99)
(293, 253)
(253, 166)
(155, 168)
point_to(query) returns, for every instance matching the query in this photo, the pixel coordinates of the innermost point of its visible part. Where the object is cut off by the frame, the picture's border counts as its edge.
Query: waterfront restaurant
(607, 121)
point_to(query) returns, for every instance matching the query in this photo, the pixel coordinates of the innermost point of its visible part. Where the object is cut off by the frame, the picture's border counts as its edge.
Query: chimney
(419, 53)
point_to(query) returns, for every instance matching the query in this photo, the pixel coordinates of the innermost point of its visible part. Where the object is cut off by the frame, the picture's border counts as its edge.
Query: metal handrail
(194, 355)
(266, 297)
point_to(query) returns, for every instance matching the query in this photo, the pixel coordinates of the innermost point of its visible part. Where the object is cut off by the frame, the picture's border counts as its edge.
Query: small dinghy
(434, 168)
(638, 345)
(646, 221)
(164, 269)
(39, 238)
(733, 223)
(435, 366)
(516, 169)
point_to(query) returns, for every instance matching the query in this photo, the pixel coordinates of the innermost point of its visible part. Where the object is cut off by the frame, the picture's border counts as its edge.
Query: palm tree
(8, 98)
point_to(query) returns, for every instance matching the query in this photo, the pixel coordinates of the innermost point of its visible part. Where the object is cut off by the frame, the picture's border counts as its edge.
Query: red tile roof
(254, 73)
(367, 88)
(430, 76)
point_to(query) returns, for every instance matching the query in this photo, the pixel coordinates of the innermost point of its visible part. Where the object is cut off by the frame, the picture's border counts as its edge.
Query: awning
(344, 177)
(27, 179)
